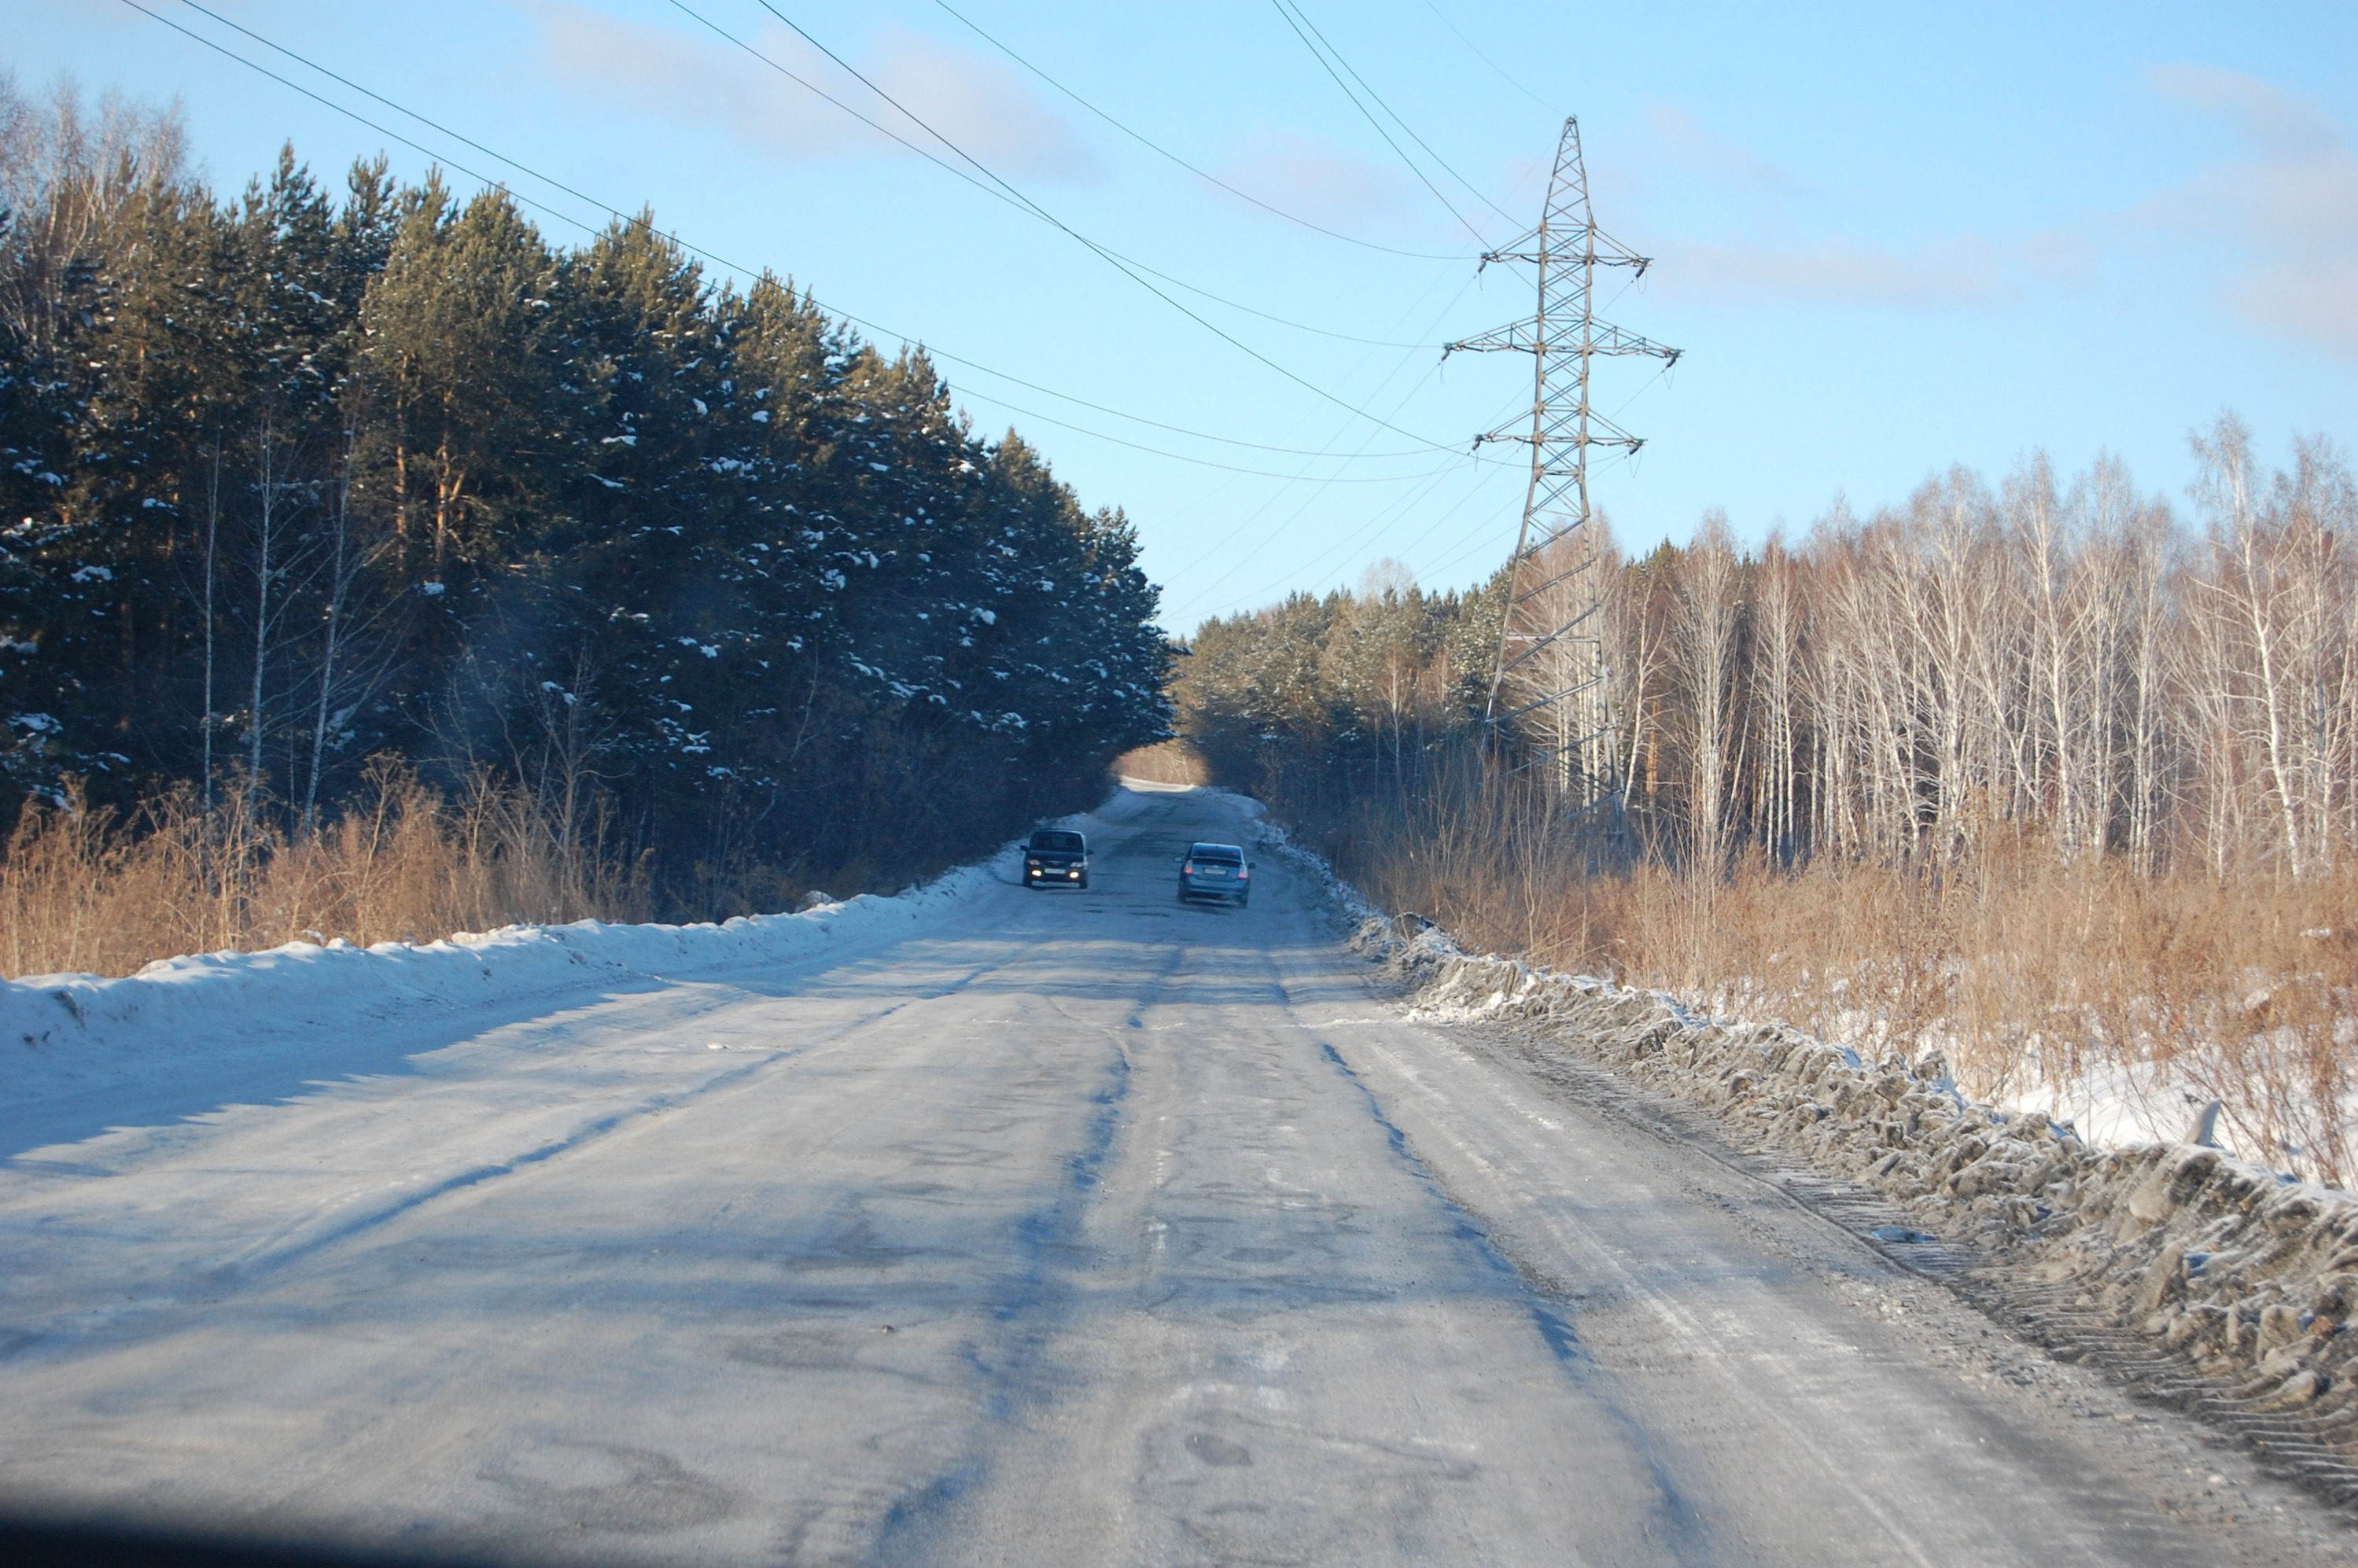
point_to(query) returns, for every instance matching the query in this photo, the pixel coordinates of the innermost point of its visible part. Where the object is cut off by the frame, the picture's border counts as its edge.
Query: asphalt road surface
(1081, 1227)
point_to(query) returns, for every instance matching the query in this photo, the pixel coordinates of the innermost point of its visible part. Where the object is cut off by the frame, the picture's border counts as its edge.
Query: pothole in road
(1214, 1450)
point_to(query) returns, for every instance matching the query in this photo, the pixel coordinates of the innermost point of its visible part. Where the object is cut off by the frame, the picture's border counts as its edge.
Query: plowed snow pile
(2253, 1275)
(196, 1017)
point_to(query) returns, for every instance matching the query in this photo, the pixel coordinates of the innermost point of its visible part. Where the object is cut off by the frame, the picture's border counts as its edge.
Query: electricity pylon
(1548, 683)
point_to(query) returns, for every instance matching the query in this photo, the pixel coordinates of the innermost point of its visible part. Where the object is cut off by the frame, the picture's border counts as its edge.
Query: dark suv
(1056, 858)
(1215, 871)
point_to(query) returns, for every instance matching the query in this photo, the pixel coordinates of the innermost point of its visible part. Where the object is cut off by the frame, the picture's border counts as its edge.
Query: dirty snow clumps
(2252, 1276)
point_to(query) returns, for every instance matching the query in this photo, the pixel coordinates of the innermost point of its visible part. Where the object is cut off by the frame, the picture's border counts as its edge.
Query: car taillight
(1243, 872)
(1187, 870)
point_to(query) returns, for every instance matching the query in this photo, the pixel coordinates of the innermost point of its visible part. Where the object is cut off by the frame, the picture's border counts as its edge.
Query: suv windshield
(1069, 843)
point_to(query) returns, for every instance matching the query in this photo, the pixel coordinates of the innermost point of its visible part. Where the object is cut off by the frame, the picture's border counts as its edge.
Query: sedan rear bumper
(1231, 891)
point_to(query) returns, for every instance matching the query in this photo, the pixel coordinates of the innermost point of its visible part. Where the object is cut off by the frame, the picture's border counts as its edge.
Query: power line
(1397, 117)
(1365, 539)
(418, 147)
(1405, 550)
(1485, 60)
(619, 215)
(1270, 536)
(1156, 424)
(1447, 560)
(1297, 19)
(1206, 462)
(1253, 516)
(997, 188)
(1288, 452)
(1128, 269)
(1279, 321)
(1010, 195)
(1157, 147)
(1481, 543)
(1430, 478)
(1375, 527)
(1365, 535)
(1288, 16)
(1403, 124)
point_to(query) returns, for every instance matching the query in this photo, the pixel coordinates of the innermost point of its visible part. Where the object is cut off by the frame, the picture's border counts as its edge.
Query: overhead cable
(1485, 60)
(1253, 516)
(639, 220)
(1162, 151)
(1128, 269)
(1381, 520)
(1403, 124)
(989, 184)
(1373, 529)
(1206, 462)
(1429, 478)
(1400, 152)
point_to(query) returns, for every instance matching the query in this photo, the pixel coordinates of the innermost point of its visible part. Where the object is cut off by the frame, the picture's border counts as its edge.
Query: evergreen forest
(312, 484)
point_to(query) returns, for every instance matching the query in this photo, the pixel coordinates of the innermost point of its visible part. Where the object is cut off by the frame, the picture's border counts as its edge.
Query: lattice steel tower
(1547, 685)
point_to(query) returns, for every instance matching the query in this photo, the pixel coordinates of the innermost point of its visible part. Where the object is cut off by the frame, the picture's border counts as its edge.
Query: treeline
(2065, 658)
(300, 479)
(2034, 774)
(1324, 700)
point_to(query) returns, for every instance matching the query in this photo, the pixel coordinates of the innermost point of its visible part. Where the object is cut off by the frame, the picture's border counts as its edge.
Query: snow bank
(2108, 1105)
(2251, 1275)
(68, 1033)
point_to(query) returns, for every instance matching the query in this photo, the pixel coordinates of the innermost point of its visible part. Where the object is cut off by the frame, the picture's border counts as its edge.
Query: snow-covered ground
(2111, 1106)
(981, 1226)
(186, 1032)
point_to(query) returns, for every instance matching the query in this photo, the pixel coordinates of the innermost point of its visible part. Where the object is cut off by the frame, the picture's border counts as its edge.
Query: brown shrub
(2027, 969)
(80, 892)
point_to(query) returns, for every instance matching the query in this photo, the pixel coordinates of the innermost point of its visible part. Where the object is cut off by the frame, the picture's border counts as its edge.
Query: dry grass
(2030, 971)
(1167, 761)
(80, 892)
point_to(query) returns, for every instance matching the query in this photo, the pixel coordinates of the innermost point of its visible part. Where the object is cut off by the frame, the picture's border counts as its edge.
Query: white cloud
(1682, 142)
(1771, 252)
(1963, 270)
(982, 105)
(2287, 211)
(1310, 177)
(707, 83)
(2274, 119)
(2280, 215)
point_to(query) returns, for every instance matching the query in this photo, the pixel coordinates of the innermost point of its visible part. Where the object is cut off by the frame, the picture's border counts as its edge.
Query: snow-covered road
(1070, 1228)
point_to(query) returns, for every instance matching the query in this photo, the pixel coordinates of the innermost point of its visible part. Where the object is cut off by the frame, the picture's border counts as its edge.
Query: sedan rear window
(1228, 853)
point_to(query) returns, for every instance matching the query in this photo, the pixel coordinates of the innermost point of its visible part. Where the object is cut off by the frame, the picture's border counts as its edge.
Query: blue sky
(1887, 238)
